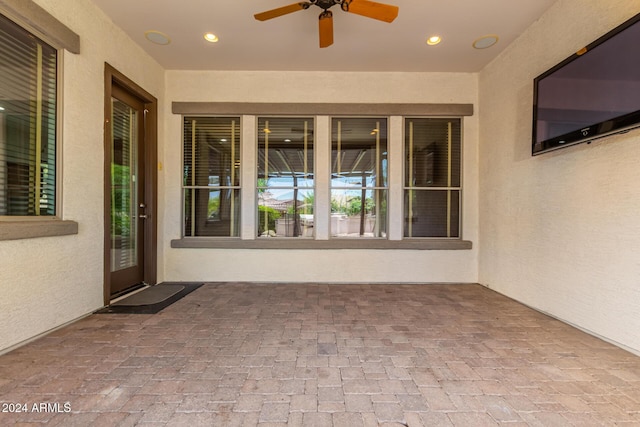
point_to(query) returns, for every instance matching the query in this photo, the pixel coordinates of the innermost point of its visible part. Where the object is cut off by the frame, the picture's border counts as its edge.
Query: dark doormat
(152, 299)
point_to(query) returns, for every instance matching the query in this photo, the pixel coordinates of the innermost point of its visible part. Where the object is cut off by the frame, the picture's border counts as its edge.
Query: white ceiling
(290, 42)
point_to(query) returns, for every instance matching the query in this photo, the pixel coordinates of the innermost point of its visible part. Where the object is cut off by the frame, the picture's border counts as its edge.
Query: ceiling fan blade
(372, 9)
(325, 26)
(284, 10)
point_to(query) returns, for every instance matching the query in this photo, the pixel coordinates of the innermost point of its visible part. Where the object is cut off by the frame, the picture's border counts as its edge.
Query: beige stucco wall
(319, 265)
(561, 231)
(46, 282)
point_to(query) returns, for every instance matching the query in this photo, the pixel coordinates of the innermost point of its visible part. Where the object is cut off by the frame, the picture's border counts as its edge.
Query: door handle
(142, 216)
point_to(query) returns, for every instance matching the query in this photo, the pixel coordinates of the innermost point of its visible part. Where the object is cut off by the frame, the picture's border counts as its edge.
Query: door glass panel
(124, 197)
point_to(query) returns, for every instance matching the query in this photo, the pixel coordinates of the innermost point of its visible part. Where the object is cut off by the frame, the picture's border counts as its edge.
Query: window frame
(374, 188)
(459, 188)
(33, 18)
(58, 135)
(258, 117)
(323, 112)
(232, 188)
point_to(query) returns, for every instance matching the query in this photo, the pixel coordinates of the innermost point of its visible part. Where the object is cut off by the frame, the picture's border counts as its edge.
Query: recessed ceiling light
(485, 41)
(210, 37)
(433, 40)
(157, 37)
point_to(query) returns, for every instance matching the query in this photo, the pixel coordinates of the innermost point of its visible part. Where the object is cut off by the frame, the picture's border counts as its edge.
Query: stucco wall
(318, 265)
(46, 282)
(561, 231)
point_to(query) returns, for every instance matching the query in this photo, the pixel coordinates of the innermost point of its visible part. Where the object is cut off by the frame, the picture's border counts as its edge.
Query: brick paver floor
(239, 354)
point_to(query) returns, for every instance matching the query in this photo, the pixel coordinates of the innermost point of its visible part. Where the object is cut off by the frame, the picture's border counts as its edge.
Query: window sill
(298, 243)
(29, 229)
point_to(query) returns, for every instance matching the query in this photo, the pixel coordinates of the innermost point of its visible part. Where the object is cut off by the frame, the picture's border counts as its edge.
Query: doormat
(152, 299)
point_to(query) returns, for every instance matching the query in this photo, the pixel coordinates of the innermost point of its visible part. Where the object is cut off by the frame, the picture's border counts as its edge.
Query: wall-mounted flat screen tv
(591, 94)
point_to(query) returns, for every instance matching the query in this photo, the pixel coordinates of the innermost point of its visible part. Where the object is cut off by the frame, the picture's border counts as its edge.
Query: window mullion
(322, 170)
(395, 183)
(248, 178)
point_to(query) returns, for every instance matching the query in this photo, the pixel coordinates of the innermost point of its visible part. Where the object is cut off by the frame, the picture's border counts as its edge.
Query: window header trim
(329, 109)
(40, 23)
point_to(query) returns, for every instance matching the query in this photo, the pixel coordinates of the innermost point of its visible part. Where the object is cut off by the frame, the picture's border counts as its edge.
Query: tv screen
(591, 94)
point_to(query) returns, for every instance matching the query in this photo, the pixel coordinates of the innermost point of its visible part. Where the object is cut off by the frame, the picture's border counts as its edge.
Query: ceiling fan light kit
(370, 9)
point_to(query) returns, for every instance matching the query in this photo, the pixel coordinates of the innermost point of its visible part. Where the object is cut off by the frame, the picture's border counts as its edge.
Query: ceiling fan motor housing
(367, 8)
(326, 4)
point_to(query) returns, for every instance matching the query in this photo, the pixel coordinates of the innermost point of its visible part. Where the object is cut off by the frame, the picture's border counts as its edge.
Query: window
(28, 94)
(211, 176)
(327, 176)
(358, 177)
(432, 190)
(285, 177)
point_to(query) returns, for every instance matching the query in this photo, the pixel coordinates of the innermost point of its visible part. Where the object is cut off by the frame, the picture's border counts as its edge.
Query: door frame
(114, 77)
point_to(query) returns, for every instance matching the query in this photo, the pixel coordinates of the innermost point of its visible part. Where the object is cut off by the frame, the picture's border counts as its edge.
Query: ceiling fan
(370, 9)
